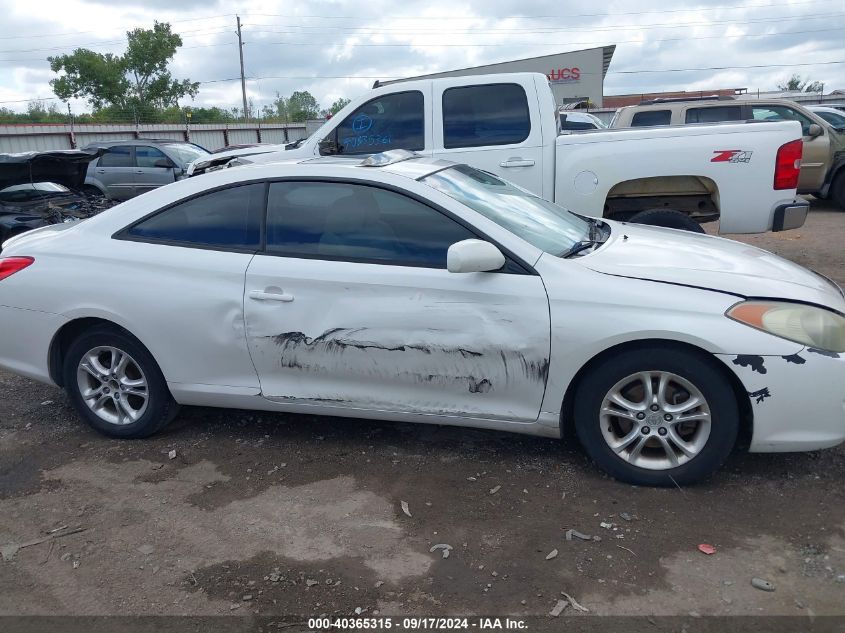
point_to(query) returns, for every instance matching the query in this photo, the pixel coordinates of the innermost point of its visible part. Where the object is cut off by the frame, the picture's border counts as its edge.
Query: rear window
(492, 114)
(651, 117)
(714, 114)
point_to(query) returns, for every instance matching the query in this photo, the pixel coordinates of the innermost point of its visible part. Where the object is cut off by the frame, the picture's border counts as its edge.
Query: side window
(228, 218)
(146, 156)
(492, 114)
(648, 118)
(342, 221)
(117, 156)
(393, 121)
(714, 114)
(781, 113)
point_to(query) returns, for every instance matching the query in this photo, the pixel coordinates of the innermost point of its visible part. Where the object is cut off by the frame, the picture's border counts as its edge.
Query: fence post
(72, 131)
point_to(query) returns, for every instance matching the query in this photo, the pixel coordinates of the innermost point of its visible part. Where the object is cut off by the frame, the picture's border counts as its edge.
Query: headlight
(809, 325)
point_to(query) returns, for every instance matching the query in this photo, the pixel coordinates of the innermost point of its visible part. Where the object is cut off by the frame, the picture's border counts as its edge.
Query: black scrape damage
(794, 358)
(760, 394)
(754, 362)
(358, 350)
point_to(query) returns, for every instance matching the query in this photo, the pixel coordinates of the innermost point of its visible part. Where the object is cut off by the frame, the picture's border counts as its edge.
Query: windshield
(836, 119)
(187, 152)
(543, 224)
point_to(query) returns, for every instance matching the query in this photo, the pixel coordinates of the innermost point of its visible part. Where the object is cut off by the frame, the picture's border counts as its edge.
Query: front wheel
(837, 189)
(668, 218)
(657, 417)
(115, 384)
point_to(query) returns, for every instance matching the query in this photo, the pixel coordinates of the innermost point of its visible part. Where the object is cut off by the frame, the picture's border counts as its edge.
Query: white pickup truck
(744, 174)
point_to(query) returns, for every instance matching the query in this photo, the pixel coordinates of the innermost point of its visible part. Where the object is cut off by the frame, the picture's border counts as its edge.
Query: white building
(574, 76)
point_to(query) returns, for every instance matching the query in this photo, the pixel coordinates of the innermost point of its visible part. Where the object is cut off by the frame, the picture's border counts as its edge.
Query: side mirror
(164, 163)
(814, 130)
(473, 256)
(328, 147)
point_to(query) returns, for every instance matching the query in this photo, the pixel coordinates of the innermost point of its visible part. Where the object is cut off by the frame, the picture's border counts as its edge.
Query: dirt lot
(274, 514)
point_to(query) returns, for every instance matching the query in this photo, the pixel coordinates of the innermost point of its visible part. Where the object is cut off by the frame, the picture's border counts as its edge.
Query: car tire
(119, 398)
(668, 218)
(837, 189)
(700, 437)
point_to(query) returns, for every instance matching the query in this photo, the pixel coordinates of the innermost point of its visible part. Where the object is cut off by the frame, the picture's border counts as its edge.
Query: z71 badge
(731, 156)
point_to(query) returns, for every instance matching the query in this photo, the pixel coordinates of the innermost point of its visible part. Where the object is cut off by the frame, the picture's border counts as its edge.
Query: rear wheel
(115, 384)
(657, 417)
(668, 218)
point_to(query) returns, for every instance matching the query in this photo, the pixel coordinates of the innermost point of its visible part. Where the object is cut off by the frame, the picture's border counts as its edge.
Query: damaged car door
(353, 291)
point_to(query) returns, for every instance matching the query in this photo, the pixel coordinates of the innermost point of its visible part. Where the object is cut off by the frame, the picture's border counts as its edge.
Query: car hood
(65, 167)
(713, 263)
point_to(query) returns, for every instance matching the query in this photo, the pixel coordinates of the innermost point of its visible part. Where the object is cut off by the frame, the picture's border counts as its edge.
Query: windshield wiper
(577, 247)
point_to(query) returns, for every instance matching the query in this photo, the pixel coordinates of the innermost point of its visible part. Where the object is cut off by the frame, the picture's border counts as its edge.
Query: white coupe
(414, 289)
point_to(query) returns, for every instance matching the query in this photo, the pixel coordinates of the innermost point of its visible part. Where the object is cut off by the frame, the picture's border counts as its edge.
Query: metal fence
(49, 136)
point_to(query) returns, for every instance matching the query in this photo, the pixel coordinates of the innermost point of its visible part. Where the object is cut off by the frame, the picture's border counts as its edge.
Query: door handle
(261, 295)
(101, 171)
(517, 162)
(139, 171)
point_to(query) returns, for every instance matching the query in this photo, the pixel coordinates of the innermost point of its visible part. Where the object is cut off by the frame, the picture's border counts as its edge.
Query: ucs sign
(564, 75)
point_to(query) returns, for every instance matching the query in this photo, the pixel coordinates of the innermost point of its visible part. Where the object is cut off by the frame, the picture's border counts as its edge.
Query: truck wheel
(668, 218)
(837, 190)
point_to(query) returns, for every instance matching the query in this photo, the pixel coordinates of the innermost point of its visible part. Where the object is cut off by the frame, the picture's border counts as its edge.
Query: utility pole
(243, 80)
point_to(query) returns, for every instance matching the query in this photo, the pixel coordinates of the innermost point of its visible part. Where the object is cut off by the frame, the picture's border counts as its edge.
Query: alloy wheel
(113, 385)
(655, 420)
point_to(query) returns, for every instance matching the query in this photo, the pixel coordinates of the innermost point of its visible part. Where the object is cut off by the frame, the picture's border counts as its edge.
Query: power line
(533, 17)
(115, 28)
(539, 30)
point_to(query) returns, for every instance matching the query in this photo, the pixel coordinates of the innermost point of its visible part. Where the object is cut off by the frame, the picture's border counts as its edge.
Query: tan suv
(823, 163)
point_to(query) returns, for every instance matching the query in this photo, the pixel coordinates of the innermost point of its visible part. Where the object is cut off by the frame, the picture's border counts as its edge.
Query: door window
(228, 218)
(146, 156)
(117, 156)
(714, 114)
(491, 114)
(343, 221)
(647, 118)
(393, 121)
(781, 113)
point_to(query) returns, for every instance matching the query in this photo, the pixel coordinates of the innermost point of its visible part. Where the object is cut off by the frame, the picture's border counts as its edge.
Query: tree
(797, 83)
(338, 105)
(302, 106)
(138, 79)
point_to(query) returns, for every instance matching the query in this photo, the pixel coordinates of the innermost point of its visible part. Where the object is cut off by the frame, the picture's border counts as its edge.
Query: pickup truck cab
(823, 164)
(507, 124)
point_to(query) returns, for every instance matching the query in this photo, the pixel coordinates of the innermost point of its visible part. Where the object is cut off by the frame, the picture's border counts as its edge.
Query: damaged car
(415, 289)
(42, 188)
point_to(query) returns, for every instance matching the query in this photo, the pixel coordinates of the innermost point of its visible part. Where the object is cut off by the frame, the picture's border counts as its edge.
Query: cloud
(337, 48)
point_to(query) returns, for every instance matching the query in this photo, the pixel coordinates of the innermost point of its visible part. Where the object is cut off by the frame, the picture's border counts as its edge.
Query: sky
(337, 48)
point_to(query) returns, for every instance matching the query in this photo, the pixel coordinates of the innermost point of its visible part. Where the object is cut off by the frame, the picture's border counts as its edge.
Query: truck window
(714, 114)
(647, 118)
(491, 114)
(392, 121)
(781, 113)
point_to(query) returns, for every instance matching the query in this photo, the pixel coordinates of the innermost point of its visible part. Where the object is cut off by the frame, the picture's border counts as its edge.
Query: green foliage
(338, 105)
(138, 79)
(300, 106)
(798, 83)
(36, 112)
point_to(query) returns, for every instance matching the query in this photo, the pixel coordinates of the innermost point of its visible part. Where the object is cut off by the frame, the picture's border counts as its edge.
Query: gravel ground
(282, 514)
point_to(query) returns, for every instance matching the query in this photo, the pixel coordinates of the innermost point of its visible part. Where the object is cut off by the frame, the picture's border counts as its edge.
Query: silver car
(132, 167)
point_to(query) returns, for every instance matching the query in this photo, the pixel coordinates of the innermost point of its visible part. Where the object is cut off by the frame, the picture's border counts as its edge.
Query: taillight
(10, 265)
(788, 165)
